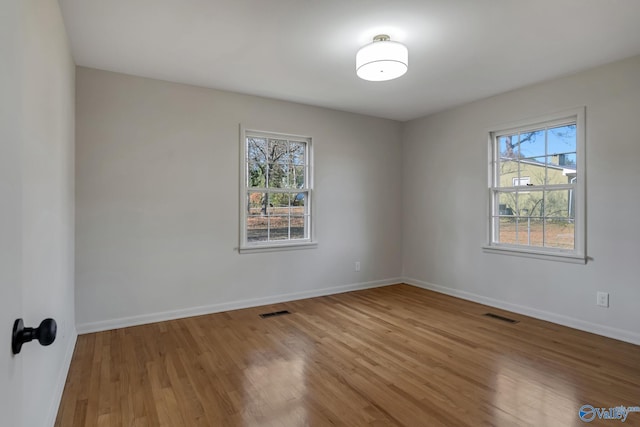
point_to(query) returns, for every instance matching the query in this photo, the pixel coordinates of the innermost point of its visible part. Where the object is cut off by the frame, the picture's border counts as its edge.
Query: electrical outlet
(357, 266)
(603, 299)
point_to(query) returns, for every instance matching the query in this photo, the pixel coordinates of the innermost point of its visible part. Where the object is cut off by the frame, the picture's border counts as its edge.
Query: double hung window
(536, 187)
(276, 189)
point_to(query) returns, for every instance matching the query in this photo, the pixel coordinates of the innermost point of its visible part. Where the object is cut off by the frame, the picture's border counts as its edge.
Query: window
(276, 191)
(536, 188)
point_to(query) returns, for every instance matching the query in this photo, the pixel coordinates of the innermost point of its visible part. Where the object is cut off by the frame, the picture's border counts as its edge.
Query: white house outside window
(536, 188)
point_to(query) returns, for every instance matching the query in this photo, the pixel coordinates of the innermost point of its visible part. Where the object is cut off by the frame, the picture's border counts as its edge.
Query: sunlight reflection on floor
(274, 393)
(536, 395)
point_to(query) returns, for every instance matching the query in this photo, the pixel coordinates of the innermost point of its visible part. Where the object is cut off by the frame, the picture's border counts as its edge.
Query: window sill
(532, 253)
(277, 247)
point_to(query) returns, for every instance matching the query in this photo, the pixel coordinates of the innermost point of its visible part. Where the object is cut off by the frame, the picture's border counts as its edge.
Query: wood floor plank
(391, 356)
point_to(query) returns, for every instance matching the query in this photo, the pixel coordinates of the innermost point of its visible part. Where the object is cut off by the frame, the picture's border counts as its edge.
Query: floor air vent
(275, 313)
(498, 317)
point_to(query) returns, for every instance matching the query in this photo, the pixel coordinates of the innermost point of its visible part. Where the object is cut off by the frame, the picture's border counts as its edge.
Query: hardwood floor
(396, 355)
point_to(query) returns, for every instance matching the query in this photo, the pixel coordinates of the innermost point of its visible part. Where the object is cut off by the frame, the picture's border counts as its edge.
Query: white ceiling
(304, 50)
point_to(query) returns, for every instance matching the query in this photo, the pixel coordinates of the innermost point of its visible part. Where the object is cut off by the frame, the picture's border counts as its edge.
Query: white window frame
(578, 254)
(275, 245)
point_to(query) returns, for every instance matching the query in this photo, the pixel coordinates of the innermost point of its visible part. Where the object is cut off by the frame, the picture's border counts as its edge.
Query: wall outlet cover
(602, 299)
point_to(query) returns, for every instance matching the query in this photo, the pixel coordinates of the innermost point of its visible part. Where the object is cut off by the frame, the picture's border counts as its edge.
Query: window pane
(532, 144)
(508, 147)
(568, 161)
(506, 203)
(256, 203)
(278, 227)
(257, 228)
(562, 139)
(278, 175)
(298, 227)
(278, 149)
(559, 233)
(557, 204)
(295, 177)
(506, 230)
(534, 170)
(505, 224)
(297, 153)
(558, 171)
(507, 171)
(530, 203)
(257, 150)
(278, 204)
(298, 203)
(256, 174)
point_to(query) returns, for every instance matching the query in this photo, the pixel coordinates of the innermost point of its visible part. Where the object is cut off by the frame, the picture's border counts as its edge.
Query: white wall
(157, 201)
(37, 184)
(445, 204)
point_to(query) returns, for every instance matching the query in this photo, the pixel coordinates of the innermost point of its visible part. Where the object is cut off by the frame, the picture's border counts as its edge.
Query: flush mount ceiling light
(382, 60)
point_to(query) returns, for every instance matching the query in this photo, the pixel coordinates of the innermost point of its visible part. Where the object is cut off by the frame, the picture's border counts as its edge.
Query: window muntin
(276, 190)
(536, 186)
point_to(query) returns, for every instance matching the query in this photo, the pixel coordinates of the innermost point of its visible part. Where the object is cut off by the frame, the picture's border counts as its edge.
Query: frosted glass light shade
(382, 60)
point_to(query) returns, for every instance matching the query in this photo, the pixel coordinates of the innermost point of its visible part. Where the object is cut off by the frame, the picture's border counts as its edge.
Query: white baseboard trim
(618, 334)
(62, 379)
(105, 325)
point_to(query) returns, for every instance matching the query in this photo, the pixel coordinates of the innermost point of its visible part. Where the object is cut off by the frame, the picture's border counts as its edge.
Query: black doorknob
(45, 334)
